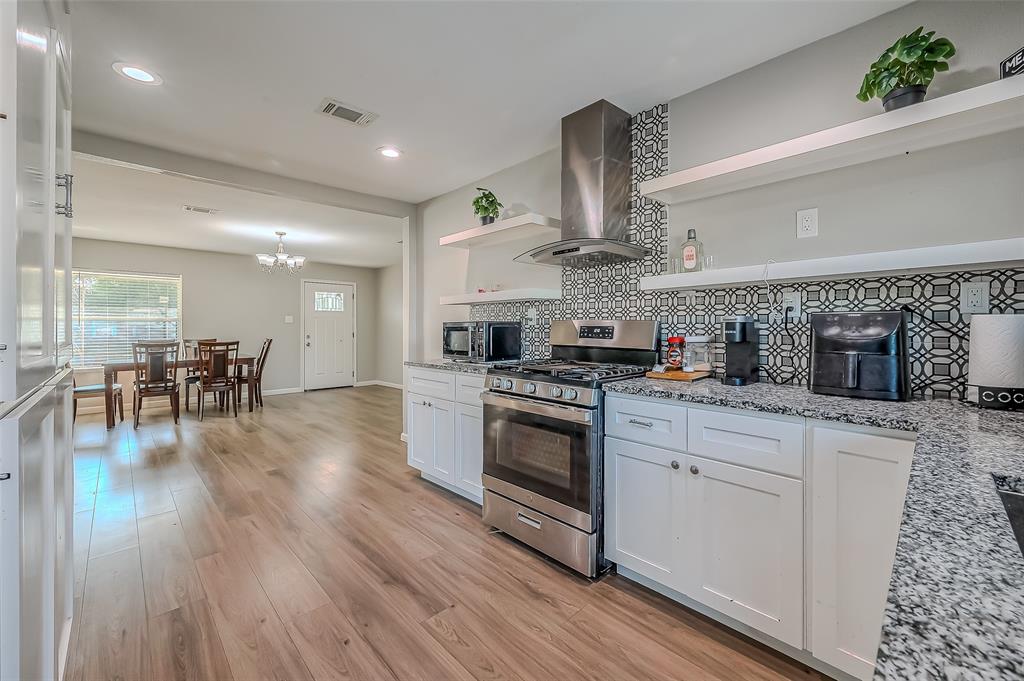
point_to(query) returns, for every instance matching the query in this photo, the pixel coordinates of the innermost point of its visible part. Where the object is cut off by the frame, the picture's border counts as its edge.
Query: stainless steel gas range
(543, 437)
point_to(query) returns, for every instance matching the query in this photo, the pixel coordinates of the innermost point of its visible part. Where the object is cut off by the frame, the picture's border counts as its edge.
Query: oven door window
(457, 342)
(541, 454)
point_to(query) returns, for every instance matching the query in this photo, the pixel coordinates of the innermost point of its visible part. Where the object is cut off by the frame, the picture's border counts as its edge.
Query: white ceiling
(464, 88)
(117, 203)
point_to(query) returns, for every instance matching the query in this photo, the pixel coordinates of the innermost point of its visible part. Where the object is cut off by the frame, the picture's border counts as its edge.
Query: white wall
(227, 296)
(965, 192)
(531, 186)
(389, 324)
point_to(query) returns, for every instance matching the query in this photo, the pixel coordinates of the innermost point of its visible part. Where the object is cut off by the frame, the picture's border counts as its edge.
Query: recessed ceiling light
(137, 73)
(389, 152)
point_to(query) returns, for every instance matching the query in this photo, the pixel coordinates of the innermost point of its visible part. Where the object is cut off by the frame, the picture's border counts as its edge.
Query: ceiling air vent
(335, 109)
(200, 209)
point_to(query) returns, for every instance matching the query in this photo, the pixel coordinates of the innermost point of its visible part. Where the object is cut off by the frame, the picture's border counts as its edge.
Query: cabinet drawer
(468, 388)
(767, 444)
(440, 384)
(649, 423)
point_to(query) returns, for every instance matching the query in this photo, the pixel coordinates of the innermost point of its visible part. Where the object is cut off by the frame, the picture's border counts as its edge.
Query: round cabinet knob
(530, 388)
(507, 385)
(694, 470)
(556, 391)
(570, 394)
(495, 382)
(675, 465)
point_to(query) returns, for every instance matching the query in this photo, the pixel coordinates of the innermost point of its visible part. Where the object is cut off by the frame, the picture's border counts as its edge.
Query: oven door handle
(555, 411)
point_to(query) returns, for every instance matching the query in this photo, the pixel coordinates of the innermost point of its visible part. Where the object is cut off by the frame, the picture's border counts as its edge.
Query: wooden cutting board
(679, 375)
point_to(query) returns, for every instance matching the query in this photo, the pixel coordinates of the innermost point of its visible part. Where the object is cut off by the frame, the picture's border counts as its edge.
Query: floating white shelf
(500, 231)
(955, 255)
(984, 110)
(502, 296)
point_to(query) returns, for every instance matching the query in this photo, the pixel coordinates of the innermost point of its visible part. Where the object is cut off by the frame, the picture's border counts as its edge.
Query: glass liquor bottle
(693, 253)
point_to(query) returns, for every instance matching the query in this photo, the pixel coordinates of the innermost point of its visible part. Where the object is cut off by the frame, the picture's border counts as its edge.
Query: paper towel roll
(997, 351)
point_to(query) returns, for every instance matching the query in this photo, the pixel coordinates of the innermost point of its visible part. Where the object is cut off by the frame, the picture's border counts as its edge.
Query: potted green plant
(486, 206)
(902, 74)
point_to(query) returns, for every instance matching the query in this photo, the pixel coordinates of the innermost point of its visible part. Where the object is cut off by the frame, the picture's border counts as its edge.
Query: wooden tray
(679, 375)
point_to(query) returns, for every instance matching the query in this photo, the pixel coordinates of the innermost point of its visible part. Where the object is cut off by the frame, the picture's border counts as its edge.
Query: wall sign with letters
(1012, 65)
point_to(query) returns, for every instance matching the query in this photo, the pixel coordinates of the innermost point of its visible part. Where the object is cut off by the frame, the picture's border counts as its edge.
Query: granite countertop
(955, 609)
(449, 365)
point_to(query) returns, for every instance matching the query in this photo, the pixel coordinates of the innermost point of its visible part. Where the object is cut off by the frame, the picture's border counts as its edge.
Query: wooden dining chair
(156, 375)
(242, 374)
(81, 392)
(217, 360)
(191, 347)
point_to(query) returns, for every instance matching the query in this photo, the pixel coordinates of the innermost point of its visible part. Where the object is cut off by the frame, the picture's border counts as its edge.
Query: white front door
(329, 335)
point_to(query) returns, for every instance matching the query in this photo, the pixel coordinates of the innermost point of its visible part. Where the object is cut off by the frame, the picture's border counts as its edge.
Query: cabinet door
(742, 548)
(421, 432)
(27, 533)
(643, 508)
(469, 449)
(62, 223)
(442, 462)
(858, 483)
(35, 218)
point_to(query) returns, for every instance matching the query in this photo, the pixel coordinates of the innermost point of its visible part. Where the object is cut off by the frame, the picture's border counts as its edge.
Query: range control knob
(495, 382)
(556, 391)
(570, 394)
(530, 388)
(507, 384)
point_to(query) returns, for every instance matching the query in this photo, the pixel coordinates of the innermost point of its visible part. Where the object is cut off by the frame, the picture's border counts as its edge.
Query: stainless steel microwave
(482, 341)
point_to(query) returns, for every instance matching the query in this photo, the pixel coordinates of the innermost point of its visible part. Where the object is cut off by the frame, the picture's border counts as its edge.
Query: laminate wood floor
(295, 543)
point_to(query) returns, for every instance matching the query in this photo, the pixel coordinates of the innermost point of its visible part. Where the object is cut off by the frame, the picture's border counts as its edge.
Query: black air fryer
(860, 354)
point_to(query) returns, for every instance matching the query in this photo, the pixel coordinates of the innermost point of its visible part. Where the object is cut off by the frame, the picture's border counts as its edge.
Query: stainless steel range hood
(596, 175)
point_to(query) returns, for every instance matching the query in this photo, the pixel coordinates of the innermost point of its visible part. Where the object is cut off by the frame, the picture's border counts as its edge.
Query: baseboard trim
(386, 384)
(282, 391)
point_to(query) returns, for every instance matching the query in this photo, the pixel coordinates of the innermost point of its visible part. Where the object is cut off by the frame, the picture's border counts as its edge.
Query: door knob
(675, 465)
(694, 470)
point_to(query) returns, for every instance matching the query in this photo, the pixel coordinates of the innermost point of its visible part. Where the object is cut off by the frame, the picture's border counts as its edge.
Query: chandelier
(291, 263)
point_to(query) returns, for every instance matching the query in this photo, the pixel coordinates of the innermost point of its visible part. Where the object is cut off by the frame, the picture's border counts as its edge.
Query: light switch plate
(806, 223)
(974, 297)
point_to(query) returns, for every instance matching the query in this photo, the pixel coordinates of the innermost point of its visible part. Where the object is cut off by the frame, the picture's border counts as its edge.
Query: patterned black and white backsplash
(938, 357)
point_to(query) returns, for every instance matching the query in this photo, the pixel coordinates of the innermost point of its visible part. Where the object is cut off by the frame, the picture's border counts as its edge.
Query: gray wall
(228, 296)
(531, 186)
(963, 192)
(389, 324)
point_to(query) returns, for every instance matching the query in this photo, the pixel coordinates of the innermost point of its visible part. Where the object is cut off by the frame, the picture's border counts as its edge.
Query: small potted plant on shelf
(486, 206)
(902, 74)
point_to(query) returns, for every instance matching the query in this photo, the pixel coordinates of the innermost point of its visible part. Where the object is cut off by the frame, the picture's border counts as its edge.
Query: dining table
(111, 369)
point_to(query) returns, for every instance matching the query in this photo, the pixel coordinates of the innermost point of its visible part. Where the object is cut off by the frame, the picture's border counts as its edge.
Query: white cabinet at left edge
(36, 478)
(445, 429)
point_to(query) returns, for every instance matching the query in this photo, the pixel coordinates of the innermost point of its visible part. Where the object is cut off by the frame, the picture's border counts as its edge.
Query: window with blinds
(112, 310)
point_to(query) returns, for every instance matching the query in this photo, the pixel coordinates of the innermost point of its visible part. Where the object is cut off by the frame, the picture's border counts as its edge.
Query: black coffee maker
(860, 354)
(741, 350)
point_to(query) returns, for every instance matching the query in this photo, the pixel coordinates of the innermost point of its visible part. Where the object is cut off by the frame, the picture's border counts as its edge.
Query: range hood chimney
(596, 175)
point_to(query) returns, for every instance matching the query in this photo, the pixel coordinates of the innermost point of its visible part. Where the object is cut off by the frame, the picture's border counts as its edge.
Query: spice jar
(675, 351)
(697, 354)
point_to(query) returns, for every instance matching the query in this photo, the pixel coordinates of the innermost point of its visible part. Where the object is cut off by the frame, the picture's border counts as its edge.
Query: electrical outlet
(531, 316)
(974, 297)
(791, 299)
(288, 319)
(806, 223)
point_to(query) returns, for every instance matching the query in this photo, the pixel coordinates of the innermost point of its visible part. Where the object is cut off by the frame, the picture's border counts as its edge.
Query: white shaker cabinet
(445, 429)
(859, 481)
(643, 516)
(742, 553)
(432, 436)
(469, 449)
